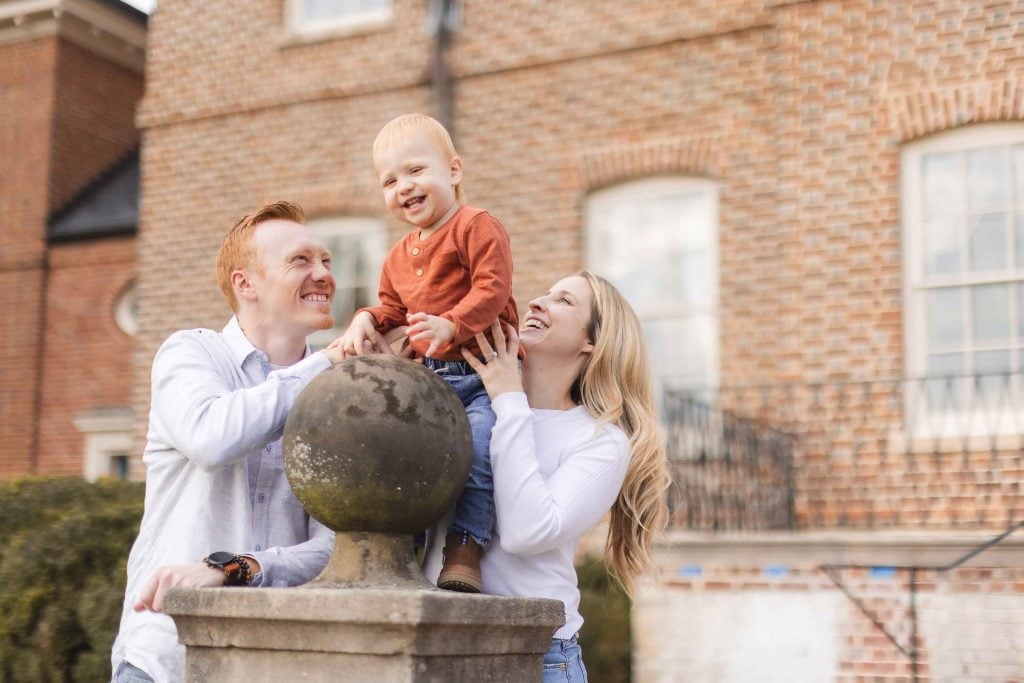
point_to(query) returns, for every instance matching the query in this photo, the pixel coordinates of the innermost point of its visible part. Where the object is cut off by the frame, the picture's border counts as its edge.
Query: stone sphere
(377, 444)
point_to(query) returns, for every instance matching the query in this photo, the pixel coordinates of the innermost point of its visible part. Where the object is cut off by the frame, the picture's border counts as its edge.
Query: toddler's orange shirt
(461, 272)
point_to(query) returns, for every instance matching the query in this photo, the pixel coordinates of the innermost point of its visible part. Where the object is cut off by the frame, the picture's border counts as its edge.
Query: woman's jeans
(563, 663)
(127, 672)
(474, 511)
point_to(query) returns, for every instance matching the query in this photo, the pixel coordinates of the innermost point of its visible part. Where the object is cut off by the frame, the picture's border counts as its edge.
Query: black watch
(237, 571)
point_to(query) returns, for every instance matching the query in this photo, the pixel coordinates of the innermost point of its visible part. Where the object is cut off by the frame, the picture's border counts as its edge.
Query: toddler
(448, 280)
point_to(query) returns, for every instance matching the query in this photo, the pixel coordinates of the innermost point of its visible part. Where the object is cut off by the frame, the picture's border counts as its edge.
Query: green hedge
(63, 549)
(605, 636)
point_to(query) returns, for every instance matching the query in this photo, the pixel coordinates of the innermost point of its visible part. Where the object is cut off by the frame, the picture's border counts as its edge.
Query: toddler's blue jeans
(474, 511)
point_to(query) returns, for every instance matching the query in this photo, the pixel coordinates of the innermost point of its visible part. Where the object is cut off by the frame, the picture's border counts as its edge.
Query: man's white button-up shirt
(215, 479)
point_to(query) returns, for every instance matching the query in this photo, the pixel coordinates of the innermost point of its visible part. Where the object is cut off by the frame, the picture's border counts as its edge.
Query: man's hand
(151, 596)
(438, 330)
(361, 338)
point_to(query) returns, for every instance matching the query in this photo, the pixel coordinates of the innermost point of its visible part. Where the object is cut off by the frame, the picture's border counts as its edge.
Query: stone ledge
(325, 634)
(423, 622)
(889, 547)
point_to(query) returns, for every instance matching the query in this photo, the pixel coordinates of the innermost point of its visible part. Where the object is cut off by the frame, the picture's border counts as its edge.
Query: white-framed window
(108, 441)
(358, 247)
(126, 310)
(963, 228)
(656, 240)
(323, 18)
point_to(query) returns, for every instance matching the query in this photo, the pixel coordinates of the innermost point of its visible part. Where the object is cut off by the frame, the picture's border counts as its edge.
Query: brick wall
(94, 119)
(88, 357)
(26, 81)
(761, 607)
(796, 109)
(65, 116)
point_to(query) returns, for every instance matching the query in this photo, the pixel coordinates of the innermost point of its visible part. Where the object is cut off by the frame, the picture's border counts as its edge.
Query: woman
(576, 436)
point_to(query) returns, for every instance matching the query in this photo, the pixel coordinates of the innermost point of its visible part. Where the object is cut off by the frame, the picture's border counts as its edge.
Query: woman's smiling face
(557, 322)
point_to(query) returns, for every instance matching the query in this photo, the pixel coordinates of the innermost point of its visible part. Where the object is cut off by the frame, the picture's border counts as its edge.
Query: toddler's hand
(360, 338)
(438, 330)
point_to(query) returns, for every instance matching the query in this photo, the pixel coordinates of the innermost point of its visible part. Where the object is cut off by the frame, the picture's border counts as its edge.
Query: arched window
(656, 240)
(126, 309)
(324, 18)
(963, 228)
(358, 247)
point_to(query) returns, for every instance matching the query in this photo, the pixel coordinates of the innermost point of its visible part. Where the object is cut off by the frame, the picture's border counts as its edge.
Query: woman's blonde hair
(615, 386)
(401, 127)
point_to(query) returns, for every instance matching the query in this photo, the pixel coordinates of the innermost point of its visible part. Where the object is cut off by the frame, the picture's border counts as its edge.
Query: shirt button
(269, 448)
(415, 251)
(419, 272)
(262, 498)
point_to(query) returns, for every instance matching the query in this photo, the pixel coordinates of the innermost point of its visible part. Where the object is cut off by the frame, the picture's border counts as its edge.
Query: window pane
(943, 186)
(988, 241)
(946, 364)
(986, 173)
(656, 250)
(990, 305)
(942, 246)
(654, 240)
(945, 393)
(327, 9)
(693, 278)
(991, 370)
(991, 362)
(358, 247)
(1018, 175)
(1020, 312)
(682, 351)
(944, 313)
(1018, 238)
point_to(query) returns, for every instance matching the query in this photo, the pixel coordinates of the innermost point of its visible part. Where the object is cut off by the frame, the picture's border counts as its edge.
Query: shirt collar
(241, 347)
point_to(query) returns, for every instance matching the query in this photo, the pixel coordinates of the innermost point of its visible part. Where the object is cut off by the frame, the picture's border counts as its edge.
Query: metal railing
(925, 452)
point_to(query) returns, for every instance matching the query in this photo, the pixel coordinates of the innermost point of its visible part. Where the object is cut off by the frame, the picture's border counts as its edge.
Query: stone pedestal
(376, 449)
(361, 634)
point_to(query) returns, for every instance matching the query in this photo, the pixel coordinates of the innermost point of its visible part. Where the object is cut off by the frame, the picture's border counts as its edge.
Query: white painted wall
(973, 636)
(736, 637)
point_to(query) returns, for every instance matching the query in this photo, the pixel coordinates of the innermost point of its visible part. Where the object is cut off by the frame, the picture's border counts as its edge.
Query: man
(219, 510)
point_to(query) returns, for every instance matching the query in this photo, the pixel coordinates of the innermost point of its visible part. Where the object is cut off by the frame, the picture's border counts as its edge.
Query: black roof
(125, 9)
(109, 205)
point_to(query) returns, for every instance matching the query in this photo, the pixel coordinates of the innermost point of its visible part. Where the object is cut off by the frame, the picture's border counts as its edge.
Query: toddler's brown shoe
(461, 570)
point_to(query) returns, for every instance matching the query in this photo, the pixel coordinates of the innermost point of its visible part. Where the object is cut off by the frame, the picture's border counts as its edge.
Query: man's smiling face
(292, 277)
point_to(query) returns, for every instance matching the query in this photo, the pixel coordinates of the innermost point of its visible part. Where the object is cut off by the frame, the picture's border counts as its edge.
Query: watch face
(220, 558)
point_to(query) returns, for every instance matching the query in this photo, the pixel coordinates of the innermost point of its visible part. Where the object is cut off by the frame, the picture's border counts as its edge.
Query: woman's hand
(500, 368)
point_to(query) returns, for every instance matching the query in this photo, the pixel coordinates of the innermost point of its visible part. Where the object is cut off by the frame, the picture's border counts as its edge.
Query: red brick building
(70, 80)
(816, 206)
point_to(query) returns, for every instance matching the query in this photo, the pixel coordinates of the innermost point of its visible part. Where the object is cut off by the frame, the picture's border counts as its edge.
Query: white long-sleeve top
(556, 474)
(215, 479)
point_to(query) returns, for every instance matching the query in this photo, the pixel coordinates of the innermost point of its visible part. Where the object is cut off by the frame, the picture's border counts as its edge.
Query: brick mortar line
(39, 264)
(174, 119)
